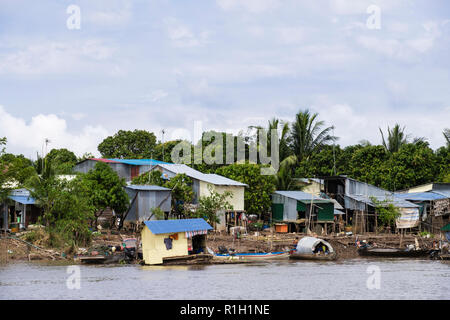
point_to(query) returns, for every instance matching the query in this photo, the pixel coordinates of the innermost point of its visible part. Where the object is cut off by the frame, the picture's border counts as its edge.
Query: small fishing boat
(310, 248)
(392, 253)
(250, 256)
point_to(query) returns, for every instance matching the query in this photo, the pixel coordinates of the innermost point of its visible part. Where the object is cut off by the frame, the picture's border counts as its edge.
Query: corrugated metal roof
(147, 187)
(445, 193)
(400, 203)
(174, 226)
(23, 199)
(195, 174)
(420, 196)
(301, 196)
(139, 162)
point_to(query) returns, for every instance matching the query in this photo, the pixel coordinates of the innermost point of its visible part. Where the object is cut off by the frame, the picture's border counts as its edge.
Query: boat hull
(253, 256)
(304, 256)
(393, 253)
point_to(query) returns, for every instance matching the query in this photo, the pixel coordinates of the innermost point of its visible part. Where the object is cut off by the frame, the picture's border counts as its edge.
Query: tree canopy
(137, 144)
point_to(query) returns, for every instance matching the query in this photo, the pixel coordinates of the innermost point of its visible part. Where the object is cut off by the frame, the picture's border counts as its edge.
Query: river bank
(14, 249)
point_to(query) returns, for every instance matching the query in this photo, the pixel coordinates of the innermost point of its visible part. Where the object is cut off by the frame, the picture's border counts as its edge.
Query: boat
(310, 248)
(102, 259)
(251, 256)
(392, 253)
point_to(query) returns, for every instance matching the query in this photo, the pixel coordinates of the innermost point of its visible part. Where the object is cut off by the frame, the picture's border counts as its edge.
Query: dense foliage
(106, 189)
(137, 144)
(260, 187)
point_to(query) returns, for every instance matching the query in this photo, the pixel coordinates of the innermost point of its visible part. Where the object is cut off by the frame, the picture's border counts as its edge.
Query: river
(294, 280)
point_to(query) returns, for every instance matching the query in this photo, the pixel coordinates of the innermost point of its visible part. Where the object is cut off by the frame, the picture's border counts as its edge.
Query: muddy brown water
(399, 279)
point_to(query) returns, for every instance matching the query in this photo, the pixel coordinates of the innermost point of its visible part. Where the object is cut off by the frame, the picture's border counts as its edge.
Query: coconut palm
(396, 138)
(308, 135)
(446, 134)
(283, 131)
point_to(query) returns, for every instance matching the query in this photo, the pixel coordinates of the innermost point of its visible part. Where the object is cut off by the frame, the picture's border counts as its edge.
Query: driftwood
(49, 253)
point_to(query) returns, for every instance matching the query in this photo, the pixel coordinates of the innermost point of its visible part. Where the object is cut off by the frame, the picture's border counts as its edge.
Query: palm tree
(283, 128)
(308, 135)
(446, 134)
(397, 138)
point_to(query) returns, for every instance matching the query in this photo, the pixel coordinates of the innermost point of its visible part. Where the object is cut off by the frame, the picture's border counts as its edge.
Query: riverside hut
(163, 239)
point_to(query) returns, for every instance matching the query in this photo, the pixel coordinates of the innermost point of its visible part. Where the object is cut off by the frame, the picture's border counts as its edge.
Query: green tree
(182, 193)
(260, 187)
(18, 168)
(163, 151)
(62, 160)
(443, 164)
(387, 213)
(308, 135)
(150, 178)
(66, 205)
(396, 138)
(446, 134)
(137, 144)
(209, 206)
(4, 178)
(106, 190)
(412, 165)
(368, 164)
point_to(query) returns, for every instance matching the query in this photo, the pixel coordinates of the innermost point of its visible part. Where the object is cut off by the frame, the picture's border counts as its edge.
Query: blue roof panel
(174, 226)
(139, 162)
(23, 199)
(420, 196)
(147, 187)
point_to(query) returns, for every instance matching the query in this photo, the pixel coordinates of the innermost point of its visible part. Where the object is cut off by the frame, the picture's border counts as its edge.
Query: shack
(127, 169)
(19, 210)
(301, 209)
(171, 238)
(144, 199)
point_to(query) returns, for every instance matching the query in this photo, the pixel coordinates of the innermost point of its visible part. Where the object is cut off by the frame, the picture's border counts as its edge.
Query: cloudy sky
(227, 63)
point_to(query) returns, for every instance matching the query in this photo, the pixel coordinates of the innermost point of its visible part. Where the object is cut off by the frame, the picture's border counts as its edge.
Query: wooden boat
(310, 248)
(102, 259)
(392, 253)
(320, 257)
(192, 259)
(250, 256)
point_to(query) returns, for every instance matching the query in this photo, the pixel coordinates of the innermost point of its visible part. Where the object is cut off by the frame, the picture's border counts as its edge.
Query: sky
(227, 64)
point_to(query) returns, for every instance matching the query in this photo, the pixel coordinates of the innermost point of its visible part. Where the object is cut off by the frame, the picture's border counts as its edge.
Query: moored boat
(253, 256)
(310, 248)
(392, 253)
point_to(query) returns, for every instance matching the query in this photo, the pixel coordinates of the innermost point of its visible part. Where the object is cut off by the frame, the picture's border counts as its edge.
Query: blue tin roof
(174, 226)
(23, 199)
(147, 188)
(420, 196)
(139, 162)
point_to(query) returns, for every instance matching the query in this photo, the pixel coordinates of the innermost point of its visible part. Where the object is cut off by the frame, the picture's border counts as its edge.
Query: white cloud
(27, 137)
(54, 57)
(182, 36)
(253, 6)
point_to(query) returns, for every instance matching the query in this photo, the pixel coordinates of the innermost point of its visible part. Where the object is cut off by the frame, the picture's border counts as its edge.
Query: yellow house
(170, 238)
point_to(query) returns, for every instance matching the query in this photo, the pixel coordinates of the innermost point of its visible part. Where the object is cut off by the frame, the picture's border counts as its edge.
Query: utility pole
(163, 132)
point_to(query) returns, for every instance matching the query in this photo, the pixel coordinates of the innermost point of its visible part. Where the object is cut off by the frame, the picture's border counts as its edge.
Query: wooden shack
(172, 238)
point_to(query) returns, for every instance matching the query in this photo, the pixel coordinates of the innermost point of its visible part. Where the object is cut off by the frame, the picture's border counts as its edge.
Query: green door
(277, 211)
